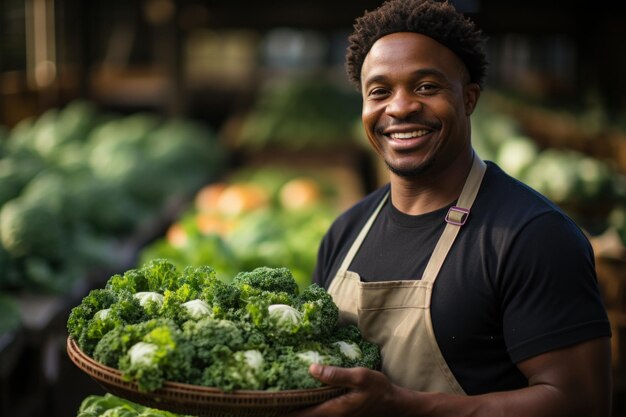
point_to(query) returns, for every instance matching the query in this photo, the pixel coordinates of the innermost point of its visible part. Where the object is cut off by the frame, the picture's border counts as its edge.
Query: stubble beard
(409, 172)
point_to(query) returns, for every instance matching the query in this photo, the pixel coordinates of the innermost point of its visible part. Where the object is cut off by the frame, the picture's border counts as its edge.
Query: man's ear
(471, 93)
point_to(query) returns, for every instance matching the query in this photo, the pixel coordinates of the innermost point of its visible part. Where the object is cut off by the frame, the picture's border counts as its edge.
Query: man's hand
(371, 393)
(571, 382)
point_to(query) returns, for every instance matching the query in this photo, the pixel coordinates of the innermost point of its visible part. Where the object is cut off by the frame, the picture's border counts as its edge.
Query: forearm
(569, 382)
(537, 401)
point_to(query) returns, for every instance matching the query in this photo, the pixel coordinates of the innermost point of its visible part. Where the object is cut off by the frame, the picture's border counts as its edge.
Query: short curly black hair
(436, 19)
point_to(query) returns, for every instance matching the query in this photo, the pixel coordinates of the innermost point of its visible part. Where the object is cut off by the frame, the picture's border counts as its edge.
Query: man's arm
(570, 382)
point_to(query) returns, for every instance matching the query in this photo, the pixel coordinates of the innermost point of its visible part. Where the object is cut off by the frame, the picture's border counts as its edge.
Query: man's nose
(402, 105)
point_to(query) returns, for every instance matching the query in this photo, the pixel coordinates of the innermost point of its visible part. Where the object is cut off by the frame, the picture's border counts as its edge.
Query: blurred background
(226, 133)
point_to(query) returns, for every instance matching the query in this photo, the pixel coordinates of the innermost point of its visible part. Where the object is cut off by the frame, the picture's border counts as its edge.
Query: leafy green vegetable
(258, 331)
(212, 340)
(319, 312)
(345, 338)
(28, 228)
(96, 300)
(290, 369)
(100, 312)
(302, 112)
(109, 405)
(197, 309)
(160, 355)
(238, 370)
(116, 343)
(266, 279)
(73, 181)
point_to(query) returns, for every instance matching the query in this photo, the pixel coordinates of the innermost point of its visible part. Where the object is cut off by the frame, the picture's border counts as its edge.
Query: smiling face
(417, 100)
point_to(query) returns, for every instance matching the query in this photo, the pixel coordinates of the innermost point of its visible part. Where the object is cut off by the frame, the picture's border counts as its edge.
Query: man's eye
(378, 92)
(427, 88)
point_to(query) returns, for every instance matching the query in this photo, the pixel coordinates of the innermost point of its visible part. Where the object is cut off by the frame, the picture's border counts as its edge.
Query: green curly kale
(162, 354)
(355, 350)
(290, 369)
(95, 301)
(319, 312)
(157, 275)
(266, 279)
(116, 343)
(311, 315)
(258, 332)
(212, 339)
(238, 370)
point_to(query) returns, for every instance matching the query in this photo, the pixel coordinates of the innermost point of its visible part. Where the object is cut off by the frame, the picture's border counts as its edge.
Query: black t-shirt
(518, 281)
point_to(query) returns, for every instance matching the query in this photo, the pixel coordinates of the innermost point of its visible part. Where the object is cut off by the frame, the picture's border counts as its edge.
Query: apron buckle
(457, 216)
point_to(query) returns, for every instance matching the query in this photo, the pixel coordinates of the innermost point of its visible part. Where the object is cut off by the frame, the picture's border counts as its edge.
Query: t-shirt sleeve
(550, 294)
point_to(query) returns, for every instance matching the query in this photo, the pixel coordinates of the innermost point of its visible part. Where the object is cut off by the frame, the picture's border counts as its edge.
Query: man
(481, 293)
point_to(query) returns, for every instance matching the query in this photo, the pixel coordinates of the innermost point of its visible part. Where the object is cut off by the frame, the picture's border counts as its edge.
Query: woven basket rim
(182, 397)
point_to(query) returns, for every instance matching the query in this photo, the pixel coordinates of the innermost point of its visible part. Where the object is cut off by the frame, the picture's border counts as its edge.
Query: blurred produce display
(588, 188)
(108, 405)
(77, 183)
(297, 113)
(617, 222)
(586, 126)
(9, 316)
(258, 216)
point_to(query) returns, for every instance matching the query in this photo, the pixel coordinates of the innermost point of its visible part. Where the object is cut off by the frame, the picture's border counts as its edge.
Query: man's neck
(430, 191)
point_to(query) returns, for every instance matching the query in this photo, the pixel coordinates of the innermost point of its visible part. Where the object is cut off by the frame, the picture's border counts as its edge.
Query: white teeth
(408, 135)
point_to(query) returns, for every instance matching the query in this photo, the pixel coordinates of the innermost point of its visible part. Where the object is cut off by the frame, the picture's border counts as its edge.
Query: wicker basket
(197, 400)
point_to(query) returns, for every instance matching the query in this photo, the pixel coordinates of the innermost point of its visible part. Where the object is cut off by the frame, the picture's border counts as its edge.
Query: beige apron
(396, 314)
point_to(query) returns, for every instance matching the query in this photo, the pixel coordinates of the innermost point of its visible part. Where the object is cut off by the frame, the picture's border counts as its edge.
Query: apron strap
(347, 260)
(455, 218)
